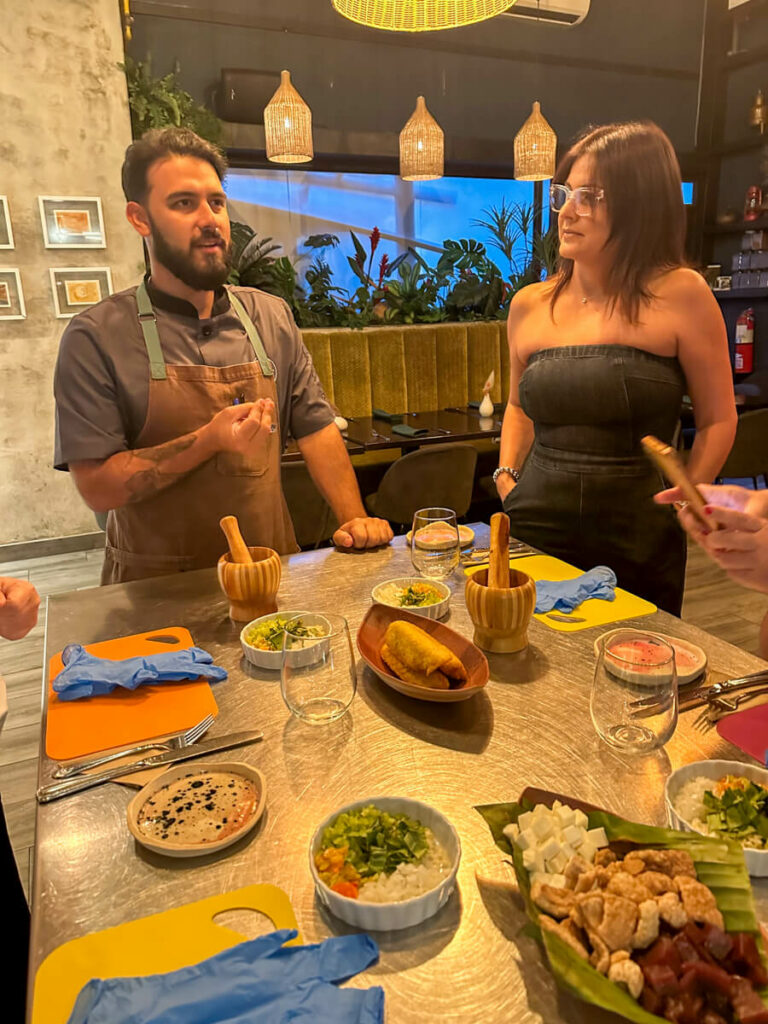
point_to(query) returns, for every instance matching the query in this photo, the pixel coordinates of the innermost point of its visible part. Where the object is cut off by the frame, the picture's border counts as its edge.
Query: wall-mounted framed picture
(72, 222)
(11, 296)
(6, 231)
(77, 288)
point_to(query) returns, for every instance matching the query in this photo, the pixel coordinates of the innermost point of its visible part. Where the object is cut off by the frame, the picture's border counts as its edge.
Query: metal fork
(375, 433)
(178, 742)
(722, 706)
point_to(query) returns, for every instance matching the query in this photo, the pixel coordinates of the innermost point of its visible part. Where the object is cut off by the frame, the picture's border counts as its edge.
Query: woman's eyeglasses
(585, 198)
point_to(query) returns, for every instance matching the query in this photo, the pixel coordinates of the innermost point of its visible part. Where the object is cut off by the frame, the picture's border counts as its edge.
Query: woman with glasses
(602, 354)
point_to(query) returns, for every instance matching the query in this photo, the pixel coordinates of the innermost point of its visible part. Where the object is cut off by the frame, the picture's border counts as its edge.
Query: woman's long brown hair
(636, 165)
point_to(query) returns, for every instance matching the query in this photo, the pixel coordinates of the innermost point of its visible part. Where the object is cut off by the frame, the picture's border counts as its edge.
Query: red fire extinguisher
(745, 342)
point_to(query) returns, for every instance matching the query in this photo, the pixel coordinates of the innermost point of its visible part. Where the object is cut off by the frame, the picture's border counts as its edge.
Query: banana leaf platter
(719, 865)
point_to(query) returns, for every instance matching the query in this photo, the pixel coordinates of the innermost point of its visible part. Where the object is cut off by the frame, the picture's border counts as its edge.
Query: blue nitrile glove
(85, 675)
(256, 982)
(565, 595)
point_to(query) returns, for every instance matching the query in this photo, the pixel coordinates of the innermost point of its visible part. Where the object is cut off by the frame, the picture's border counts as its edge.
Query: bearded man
(174, 398)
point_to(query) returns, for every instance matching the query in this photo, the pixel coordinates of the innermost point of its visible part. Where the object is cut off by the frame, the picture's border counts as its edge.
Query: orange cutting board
(80, 727)
(152, 945)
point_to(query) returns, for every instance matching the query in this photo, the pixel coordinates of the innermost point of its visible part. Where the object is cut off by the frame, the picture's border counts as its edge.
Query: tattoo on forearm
(145, 482)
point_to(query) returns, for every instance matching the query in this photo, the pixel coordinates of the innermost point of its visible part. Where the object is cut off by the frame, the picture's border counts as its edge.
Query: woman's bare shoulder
(530, 298)
(683, 284)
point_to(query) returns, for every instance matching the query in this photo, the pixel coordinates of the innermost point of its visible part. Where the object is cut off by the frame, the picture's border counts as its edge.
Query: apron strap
(148, 324)
(255, 338)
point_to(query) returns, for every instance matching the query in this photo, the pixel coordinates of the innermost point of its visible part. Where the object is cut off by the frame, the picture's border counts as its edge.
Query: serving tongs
(700, 696)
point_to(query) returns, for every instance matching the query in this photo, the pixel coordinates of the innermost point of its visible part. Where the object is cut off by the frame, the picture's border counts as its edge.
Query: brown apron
(178, 529)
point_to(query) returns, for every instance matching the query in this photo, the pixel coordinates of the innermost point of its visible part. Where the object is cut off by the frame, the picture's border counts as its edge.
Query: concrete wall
(65, 126)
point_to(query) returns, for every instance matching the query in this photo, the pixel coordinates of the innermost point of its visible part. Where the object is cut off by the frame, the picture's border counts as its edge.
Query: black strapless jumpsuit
(586, 492)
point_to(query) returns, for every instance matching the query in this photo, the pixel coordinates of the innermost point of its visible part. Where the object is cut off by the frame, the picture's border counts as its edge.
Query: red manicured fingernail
(708, 510)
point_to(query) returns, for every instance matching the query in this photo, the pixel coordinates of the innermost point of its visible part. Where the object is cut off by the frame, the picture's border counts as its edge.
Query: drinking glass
(435, 542)
(318, 678)
(632, 666)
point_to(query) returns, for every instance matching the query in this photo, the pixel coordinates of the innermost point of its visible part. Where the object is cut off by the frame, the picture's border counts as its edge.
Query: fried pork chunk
(667, 862)
(612, 918)
(567, 931)
(699, 902)
(574, 869)
(647, 930)
(657, 882)
(629, 974)
(629, 886)
(605, 857)
(671, 910)
(554, 901)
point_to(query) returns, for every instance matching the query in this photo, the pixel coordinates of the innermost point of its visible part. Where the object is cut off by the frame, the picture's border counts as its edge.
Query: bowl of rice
(686, 810)
(414, 845)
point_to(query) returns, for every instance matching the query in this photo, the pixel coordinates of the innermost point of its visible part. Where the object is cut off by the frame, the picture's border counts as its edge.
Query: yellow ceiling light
(421, 146)
(419, 15)
(288, 125)
(535, 147)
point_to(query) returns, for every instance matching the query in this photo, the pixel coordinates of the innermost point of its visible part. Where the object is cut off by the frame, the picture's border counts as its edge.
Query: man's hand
(363, 532)
(241, 428)
(19, 602)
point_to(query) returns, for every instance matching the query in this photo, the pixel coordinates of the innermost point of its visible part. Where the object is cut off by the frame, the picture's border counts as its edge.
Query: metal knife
(701, 695)
(233, 739)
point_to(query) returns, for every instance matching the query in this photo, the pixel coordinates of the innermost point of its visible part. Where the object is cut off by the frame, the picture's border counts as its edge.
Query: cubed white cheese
(557, 863)
(565, 816)
(580, 818)
(549, 848)
(525, 820)
(529, 859)
(587, 850)
(598, 837)
(558, 881)
(542, 827)
(567, 851)
(540, 876)
(526, 839)
(511, 831)
(573, 835)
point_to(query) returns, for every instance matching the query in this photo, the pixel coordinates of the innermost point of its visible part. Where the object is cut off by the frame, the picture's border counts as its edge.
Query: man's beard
(206, 275)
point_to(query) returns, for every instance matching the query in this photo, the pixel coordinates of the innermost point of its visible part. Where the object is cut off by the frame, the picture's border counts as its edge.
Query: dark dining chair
(313, 520)
(435, 476)
(749, 454)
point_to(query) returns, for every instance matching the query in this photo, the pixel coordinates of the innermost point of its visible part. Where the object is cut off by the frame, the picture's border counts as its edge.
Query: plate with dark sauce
(191, 810)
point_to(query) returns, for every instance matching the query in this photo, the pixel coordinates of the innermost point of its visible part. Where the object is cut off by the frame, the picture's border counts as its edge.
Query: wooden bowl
(370, 637)
(501, 617)
(251, 589)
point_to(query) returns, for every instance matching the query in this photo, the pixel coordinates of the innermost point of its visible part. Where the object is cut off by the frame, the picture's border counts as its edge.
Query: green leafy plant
(161, 102)
(414, 298)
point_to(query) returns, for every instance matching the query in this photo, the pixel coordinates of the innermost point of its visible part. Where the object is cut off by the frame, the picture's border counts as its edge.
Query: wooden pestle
(238, 549)
(498, 561)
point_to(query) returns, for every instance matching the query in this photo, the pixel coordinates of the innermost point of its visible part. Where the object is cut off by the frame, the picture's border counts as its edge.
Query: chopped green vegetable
(268, 636)
(377, 841)
(740, 813)
(417, 595)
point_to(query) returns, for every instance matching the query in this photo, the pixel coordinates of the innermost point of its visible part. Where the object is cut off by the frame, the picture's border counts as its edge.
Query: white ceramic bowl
(193, 768)
(274, 659)
(429, 611)
(756, 860)
(406, 913)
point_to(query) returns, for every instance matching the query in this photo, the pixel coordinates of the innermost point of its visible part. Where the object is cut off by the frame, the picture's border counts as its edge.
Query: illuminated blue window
(289, 205)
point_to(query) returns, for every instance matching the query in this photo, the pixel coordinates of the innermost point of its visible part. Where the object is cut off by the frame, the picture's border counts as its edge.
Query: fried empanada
(432, 680)
(420, 652)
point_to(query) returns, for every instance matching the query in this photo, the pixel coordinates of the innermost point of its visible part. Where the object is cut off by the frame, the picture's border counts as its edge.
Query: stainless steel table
(530, 726)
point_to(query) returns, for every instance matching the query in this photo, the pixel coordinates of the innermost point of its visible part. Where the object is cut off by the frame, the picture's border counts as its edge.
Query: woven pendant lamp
(421, 146)
(288, 125)
(535, 146)
(419, 15)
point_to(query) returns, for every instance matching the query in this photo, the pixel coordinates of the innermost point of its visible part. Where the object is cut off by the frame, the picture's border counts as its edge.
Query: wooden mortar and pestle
(248, 576)
(500, 600)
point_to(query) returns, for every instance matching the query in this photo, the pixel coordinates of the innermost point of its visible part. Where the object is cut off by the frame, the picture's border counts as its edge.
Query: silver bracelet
(514, 473)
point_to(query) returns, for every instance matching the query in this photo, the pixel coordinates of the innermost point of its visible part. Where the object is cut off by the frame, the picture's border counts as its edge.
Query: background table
(531, 725)
(442, 426)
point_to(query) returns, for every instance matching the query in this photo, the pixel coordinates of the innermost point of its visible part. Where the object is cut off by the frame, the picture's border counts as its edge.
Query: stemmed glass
(318, 679)
(435, 542)
(631, 666)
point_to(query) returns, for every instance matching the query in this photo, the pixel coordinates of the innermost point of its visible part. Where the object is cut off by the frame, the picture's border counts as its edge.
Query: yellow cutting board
(594, 611)
(152, 945)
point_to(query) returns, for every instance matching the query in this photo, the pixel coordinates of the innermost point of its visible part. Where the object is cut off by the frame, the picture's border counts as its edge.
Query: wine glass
(630, 666)
(318, 678)
(435, 542)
